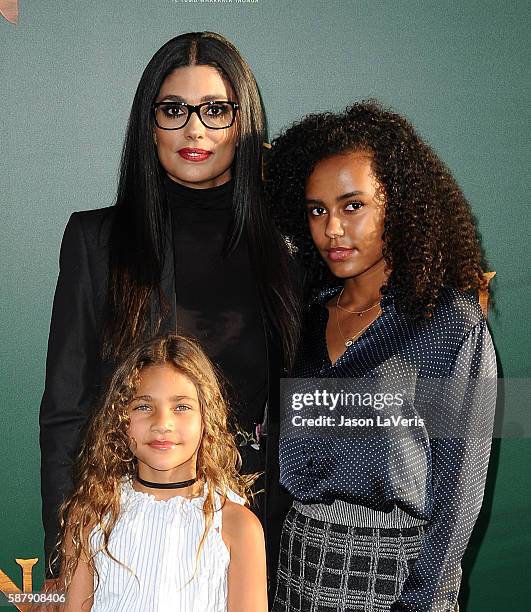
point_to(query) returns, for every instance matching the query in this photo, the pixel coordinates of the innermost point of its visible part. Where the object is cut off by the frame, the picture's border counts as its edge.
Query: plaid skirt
(324, 567)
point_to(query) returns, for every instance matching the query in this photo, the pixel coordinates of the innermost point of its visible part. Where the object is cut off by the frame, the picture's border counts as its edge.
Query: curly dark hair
(430, 237)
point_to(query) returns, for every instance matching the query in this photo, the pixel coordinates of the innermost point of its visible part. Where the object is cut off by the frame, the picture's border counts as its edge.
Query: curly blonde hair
(106, 459)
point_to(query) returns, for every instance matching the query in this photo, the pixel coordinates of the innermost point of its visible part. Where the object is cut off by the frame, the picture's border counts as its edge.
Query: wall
(68, 73)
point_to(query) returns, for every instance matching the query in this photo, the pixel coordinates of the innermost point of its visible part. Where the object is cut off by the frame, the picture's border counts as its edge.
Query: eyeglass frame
(194, 108)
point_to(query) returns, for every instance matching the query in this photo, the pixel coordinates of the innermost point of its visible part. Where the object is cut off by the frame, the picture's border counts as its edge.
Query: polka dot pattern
(440, 480)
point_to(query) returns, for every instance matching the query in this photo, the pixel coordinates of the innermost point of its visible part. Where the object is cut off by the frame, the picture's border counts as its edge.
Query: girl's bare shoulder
(239, 524)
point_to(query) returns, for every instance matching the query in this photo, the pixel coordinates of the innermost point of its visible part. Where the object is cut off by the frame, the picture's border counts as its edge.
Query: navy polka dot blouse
(439, 479)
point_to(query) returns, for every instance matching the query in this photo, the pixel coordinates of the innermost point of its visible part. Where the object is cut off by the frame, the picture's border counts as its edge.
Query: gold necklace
(350, 341)
(358, 312)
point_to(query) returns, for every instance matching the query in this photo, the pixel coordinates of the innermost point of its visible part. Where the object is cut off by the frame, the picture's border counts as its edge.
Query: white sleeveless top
(158, 542)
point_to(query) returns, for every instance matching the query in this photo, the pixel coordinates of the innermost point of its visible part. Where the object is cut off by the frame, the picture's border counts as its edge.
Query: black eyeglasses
(215, 115)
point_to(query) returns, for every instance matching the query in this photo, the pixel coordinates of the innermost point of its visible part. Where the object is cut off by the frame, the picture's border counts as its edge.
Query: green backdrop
(68, 71)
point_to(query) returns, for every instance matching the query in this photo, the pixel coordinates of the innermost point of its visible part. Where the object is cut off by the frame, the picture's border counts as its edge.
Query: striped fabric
(343, 513)
(156, 543)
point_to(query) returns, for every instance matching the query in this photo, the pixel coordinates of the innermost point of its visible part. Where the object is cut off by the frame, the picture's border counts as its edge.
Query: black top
(444, 369)
(217, 299)
(76, 373)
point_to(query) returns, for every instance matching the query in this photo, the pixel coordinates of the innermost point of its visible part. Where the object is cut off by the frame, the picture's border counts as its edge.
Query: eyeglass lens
(173, 115)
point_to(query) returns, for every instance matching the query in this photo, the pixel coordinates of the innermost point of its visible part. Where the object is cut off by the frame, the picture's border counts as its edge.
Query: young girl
(382, 516)
(156, 520)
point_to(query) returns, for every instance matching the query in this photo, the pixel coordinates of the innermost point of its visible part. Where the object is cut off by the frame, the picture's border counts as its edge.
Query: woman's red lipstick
(194, 155)
(339, 253)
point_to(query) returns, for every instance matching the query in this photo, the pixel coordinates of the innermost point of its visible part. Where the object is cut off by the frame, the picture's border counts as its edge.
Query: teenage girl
(382, 517)
(156, 521)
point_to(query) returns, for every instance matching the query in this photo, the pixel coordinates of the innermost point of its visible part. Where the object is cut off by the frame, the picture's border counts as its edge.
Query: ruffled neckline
(131, 494)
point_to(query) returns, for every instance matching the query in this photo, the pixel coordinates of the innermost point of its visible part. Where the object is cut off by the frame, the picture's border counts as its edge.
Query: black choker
(166, 485)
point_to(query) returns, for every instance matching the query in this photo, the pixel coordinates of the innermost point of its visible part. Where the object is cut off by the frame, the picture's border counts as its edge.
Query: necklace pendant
(349, 343)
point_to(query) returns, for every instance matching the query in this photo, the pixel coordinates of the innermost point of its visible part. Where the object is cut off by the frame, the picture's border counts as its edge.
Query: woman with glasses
(187, 247)
(388, 472)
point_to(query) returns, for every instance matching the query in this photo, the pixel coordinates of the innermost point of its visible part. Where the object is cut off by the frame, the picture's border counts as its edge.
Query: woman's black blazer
(76, 373)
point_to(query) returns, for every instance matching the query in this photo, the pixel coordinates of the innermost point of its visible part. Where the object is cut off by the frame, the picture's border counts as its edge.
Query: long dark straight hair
(138, 234)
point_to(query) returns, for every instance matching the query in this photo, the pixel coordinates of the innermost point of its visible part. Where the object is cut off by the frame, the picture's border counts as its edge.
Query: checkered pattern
(325, 567)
